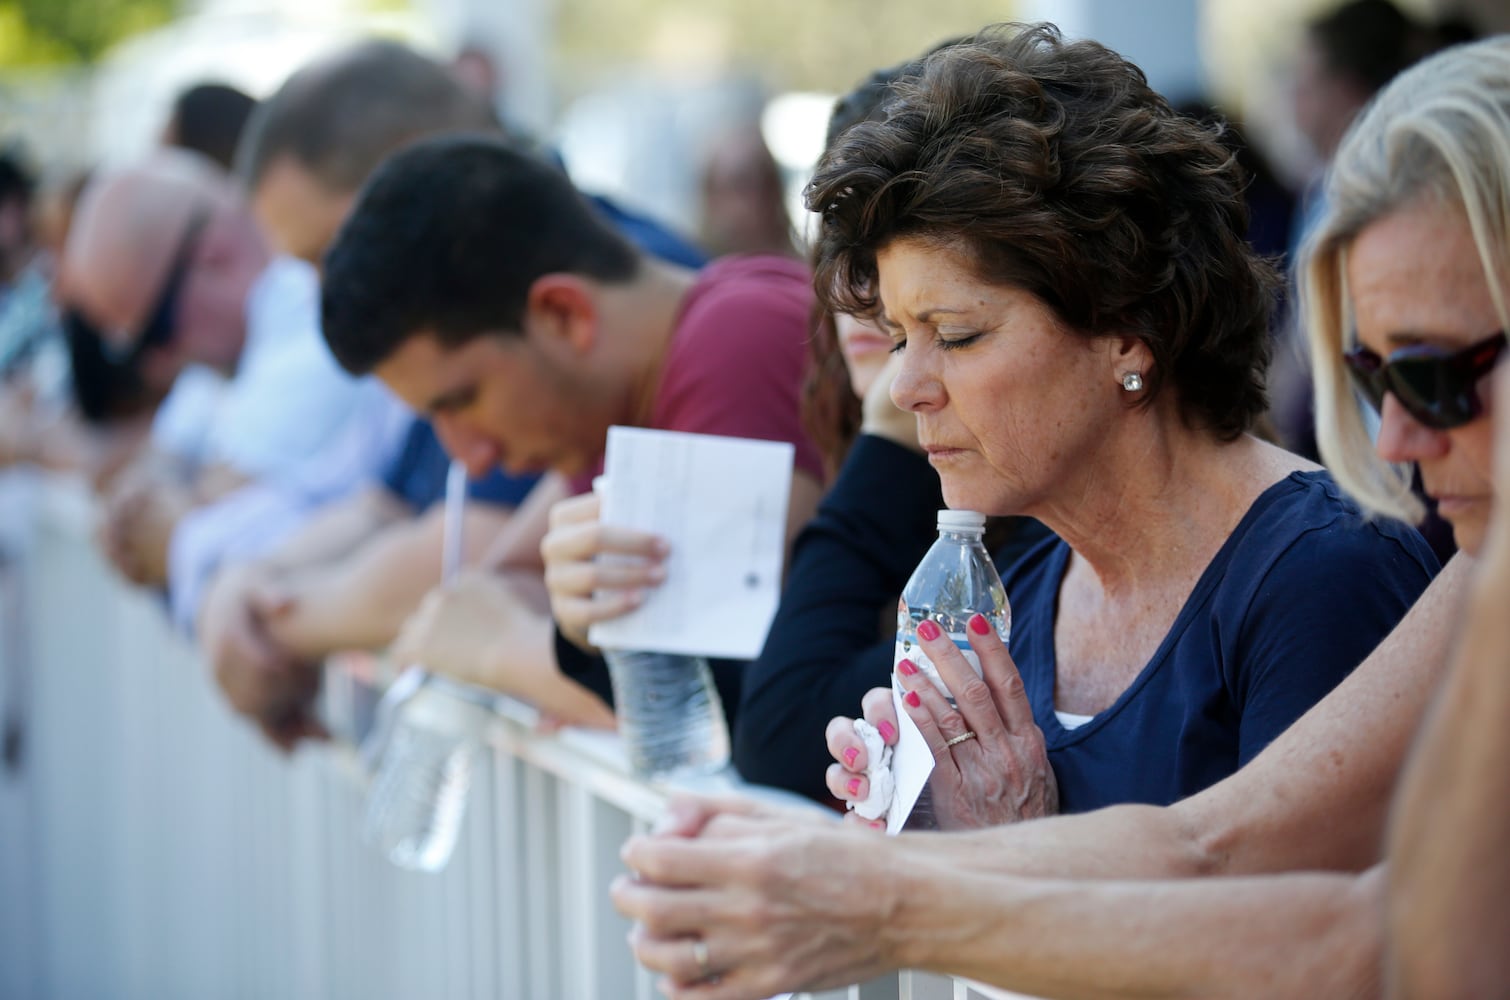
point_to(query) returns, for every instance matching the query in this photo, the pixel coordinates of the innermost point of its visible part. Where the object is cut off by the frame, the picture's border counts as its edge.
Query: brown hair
(1063, 173)
(339, 117)
(830, 408)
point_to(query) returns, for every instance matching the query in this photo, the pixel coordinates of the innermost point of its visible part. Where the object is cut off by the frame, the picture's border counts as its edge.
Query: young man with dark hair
(358, 565)
(475, 281)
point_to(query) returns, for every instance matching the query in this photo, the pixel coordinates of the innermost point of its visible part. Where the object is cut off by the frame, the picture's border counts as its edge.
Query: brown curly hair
(1063, 173)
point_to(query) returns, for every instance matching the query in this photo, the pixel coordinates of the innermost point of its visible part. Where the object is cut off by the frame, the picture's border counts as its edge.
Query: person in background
(27, 320)
(208, 119)
(833, 634)
(341, 562)
(1068, 356)
(1415, 246)
(1346, 55)
(523, 325)
(742, 207)
(166, 263)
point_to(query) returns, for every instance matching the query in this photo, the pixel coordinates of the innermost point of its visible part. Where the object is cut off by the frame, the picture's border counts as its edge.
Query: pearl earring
(1132, 381)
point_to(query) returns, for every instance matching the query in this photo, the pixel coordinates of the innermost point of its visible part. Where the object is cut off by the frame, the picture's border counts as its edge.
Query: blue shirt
(417, 474)
(1298, 596)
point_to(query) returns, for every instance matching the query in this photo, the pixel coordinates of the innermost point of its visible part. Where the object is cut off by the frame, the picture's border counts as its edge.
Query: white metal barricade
(153, 846)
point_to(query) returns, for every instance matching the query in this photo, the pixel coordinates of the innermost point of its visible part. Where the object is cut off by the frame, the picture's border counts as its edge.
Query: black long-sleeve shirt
(833, 636)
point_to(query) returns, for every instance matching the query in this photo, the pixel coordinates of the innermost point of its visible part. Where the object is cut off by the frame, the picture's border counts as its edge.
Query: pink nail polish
(913, 699)
(850, 755)
(979, 625)
(906, 667)
(876, 824)
(928, 631)
(853, 787)
(887, 730)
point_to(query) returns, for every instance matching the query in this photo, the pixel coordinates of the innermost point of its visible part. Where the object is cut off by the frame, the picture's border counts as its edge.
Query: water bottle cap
(961, 520)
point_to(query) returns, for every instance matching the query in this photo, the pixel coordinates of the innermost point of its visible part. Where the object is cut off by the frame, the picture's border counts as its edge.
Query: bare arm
(1316, 798)
(337, 529)
(485, 628)
(1310, 934)
(518, 547)
(783, 905)
(361, 601)
(1450, 871)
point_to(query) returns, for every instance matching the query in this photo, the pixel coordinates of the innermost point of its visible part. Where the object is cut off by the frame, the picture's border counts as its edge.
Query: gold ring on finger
(968, 734)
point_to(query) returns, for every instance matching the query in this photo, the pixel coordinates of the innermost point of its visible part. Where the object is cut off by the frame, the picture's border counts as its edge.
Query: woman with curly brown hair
(1059, 257)
(1300, 893)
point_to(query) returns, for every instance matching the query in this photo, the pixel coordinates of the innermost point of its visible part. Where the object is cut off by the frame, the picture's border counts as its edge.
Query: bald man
(167, 264)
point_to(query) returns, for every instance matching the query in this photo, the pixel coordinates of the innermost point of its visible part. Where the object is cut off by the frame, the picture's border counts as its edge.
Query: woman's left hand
(1002, 774)
(757, 903)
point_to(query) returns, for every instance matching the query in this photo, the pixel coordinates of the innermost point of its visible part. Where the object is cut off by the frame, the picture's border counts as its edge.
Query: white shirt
(290, 418)
(287, 398)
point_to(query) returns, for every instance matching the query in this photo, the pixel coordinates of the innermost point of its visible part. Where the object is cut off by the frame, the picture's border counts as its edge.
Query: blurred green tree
(44, 32)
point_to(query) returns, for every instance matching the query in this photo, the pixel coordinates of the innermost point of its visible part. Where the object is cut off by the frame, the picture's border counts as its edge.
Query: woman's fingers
(845, 745)
(879, 711)
(999, 671)
(977, 705)
(847, 785)
(729, 972)
(929, 711)
(663, 911)
(855, 819)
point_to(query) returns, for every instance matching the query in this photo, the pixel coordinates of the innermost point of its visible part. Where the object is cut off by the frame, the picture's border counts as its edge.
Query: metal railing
(153, 846)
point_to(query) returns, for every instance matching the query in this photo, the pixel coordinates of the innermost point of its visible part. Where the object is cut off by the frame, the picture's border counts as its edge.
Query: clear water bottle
(418, 796)
(670, 717)
(955, 581)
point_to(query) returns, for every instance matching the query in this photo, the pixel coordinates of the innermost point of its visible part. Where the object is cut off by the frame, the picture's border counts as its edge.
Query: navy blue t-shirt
(1298, 596)
(417, 474)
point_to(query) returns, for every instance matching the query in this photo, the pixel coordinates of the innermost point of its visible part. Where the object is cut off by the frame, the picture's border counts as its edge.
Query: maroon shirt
(737, 359)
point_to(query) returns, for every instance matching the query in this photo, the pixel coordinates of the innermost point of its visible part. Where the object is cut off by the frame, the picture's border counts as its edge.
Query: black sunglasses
(1437, 388)
(162, 319)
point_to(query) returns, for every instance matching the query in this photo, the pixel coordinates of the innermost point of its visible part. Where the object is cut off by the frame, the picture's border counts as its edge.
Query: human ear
(562, 308)
(1129, 361)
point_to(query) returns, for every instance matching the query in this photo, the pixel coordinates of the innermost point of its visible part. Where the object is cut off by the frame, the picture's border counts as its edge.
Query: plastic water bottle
(424, 742)
(418, 797)
(670, 718)
(955, 581)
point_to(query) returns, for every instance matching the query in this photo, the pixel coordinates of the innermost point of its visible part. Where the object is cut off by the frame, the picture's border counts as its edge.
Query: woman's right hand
(585, 589)
(846, 776)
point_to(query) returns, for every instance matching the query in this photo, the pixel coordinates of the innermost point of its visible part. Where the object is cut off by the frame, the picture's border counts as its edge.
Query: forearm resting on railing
(1316, 798)
(1265, 936)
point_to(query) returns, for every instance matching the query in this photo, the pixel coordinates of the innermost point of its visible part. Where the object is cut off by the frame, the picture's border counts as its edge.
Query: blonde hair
(1440, 131)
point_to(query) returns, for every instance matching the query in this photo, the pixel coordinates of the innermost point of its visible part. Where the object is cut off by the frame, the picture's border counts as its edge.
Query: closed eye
(453, 401)
(956, 343)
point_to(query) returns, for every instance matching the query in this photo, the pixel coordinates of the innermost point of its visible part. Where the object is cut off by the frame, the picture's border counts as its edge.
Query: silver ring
(700, 955)
(968, 734)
